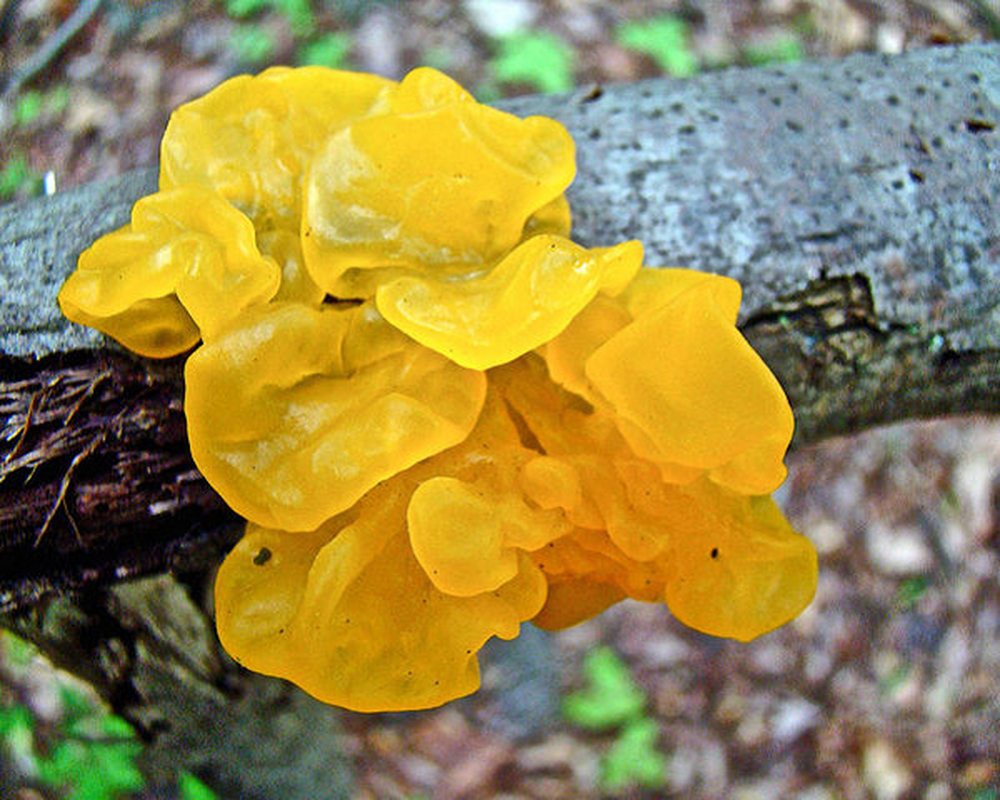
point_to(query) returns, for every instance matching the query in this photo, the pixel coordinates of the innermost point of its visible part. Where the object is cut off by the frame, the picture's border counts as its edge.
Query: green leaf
(252, 45)
(298, 12)
(540, 60)
(329, 50)
(18, 178)
(612, 696)
(95, 759)
(665, 40)
(92, 770)
(17, 732)
(910, 591)
(77, 708)
(28, 107)
(33, 105)
(634, 759)
(785, 49)
(18, 652)
(193, 789)
(244, 8)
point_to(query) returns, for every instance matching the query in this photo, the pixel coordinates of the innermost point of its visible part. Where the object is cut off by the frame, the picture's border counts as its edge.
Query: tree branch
(855, 200)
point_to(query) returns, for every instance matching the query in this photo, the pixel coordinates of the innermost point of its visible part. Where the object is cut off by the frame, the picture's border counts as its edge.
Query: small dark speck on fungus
(715, 552)
(262, 557)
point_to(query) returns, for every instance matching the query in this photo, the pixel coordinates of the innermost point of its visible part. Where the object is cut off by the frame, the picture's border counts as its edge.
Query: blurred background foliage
(86, 87)
(57, 739)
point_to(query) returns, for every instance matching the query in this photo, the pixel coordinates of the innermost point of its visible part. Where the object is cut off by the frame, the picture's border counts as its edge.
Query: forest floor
(889, 685)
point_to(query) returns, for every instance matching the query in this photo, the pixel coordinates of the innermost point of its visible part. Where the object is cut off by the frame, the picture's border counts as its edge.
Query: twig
(42, 57)
(36, 400)
(73, 525)
(83, 398)
(64, 485)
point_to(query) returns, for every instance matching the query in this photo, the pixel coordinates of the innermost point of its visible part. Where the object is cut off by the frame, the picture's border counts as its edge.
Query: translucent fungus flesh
(690, 391)
(640, 536)
(251, 137)
(467, 536)
(349, 615)
(525, 300)
(290, 432)
(348, 611)
(436, 182)
(743, 570)
(156, 328)
(185, 250)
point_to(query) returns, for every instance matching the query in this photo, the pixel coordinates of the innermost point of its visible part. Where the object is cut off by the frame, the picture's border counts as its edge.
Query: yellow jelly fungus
(186, 265)
(251, 138)
(566, 354)
(690, 391)
(742, 570)
(436, 183)
(294, 413)
(525, 300)
(440, 416)
(650, 289)
(467, 537)
(725, 563)
(157, 328)
(348, 612)
(552, 219)
(296, 285)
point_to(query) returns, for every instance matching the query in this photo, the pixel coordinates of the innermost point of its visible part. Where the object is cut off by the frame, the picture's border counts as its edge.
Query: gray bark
(855, 200)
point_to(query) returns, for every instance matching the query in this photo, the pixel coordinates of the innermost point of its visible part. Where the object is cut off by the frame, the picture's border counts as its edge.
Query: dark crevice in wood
(96, 479)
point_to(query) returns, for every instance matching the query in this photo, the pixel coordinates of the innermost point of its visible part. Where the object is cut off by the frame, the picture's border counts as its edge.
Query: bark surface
(855, 201)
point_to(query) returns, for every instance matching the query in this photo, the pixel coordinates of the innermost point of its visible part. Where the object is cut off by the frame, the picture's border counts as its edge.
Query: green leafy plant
(782, 49)
(32, 105)
(298, 12)
(89, 755)
(86, 753)
(28, 108)
(634, 759)
(17, 732)
(541, 60)
(252, 45)
(191, 788)
(94, 756)
(329, 50)
(613, 700)
(910, 591)
(18, 179)
(664, 39)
